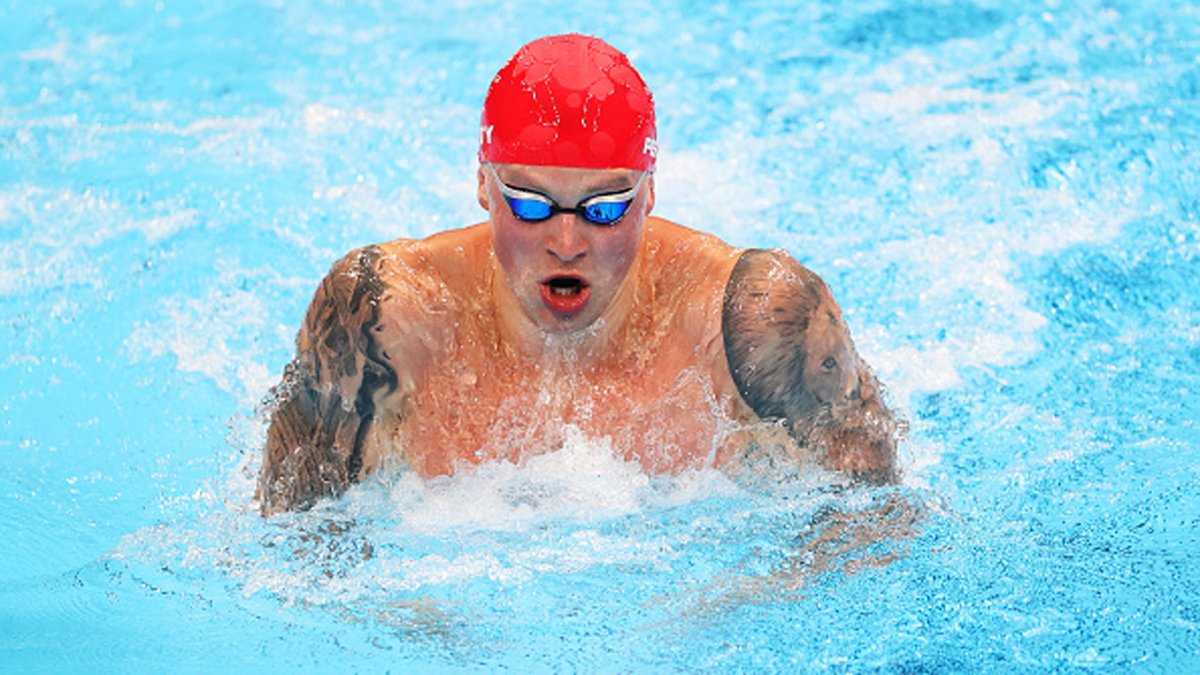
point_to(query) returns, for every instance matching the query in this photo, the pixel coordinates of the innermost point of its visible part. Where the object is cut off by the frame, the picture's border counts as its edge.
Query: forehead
(566, 179)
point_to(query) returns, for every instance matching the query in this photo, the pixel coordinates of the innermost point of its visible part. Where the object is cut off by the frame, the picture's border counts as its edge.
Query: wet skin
(491, 342)
(637, 359)
(532, 255)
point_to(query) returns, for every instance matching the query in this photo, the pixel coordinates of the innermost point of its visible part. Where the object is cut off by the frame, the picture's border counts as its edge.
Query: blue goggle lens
(599, 210)
(600, 213)
(605, 212)
(529, 209)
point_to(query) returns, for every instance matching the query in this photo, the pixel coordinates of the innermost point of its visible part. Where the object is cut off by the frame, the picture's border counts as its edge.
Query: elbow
(863, 449)
(866, 458)
(859, 437)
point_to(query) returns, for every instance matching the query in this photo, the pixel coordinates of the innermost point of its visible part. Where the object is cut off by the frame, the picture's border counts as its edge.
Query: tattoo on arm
(322, 410)
(792, 359)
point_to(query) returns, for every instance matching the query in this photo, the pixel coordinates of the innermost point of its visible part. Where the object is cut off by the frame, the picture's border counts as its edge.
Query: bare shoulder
(450, 258)
(428, 282)
(662, 232)
(374, 323)
(682, 257)
(791, 357)
(685, 272)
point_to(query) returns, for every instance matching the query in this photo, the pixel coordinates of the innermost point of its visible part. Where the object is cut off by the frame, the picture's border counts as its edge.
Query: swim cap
(569, 100)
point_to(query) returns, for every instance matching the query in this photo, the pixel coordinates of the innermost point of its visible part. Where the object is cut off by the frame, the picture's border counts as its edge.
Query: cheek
(511, 244)
(620, 248)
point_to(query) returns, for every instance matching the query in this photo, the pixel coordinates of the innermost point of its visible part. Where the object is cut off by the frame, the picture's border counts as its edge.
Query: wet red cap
(569, 100)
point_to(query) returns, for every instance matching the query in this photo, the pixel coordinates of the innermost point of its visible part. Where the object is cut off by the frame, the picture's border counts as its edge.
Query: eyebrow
(609, 186)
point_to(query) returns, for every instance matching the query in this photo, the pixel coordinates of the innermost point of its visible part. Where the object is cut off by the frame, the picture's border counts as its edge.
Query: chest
(658, 407)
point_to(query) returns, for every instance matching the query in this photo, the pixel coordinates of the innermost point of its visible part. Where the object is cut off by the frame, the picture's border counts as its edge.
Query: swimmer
(569, 310)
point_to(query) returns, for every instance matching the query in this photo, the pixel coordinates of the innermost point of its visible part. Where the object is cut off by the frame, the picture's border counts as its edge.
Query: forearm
(310, 444)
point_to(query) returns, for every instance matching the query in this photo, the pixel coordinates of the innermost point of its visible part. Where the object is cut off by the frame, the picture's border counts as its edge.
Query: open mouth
(565, 294)
(565, 285)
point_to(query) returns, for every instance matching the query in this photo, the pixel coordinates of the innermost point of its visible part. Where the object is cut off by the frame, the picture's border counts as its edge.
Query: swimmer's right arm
(323, 408)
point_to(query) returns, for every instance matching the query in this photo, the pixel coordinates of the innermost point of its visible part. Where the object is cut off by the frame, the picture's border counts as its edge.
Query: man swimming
(569, 308)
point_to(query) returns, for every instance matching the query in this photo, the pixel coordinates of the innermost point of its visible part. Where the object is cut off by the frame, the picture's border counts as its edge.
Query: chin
(566, 326)
(576, 324)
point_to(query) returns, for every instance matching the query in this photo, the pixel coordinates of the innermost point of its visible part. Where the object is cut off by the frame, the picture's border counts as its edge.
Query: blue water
(1004, 197)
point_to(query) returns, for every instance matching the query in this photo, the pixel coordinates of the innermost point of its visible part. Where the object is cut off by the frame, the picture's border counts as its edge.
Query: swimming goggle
(599, 210)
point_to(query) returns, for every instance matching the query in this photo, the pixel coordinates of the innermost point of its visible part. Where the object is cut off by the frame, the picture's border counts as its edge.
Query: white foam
(583, 480)
(397, 534)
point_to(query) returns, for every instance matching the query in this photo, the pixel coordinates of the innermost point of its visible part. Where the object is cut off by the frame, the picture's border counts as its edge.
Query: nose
(565, 240)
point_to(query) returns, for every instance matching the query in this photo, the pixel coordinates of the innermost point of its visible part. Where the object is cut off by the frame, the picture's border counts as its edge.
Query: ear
(481, 191)
(650, 196)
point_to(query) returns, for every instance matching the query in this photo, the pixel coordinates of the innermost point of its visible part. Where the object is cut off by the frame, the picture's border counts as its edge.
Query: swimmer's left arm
(791, 357)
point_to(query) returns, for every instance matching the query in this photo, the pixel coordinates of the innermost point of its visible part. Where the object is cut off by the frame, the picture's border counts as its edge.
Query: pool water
(1004, 196)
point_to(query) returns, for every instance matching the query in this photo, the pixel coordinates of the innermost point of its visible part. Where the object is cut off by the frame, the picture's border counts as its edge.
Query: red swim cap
(569, 100)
